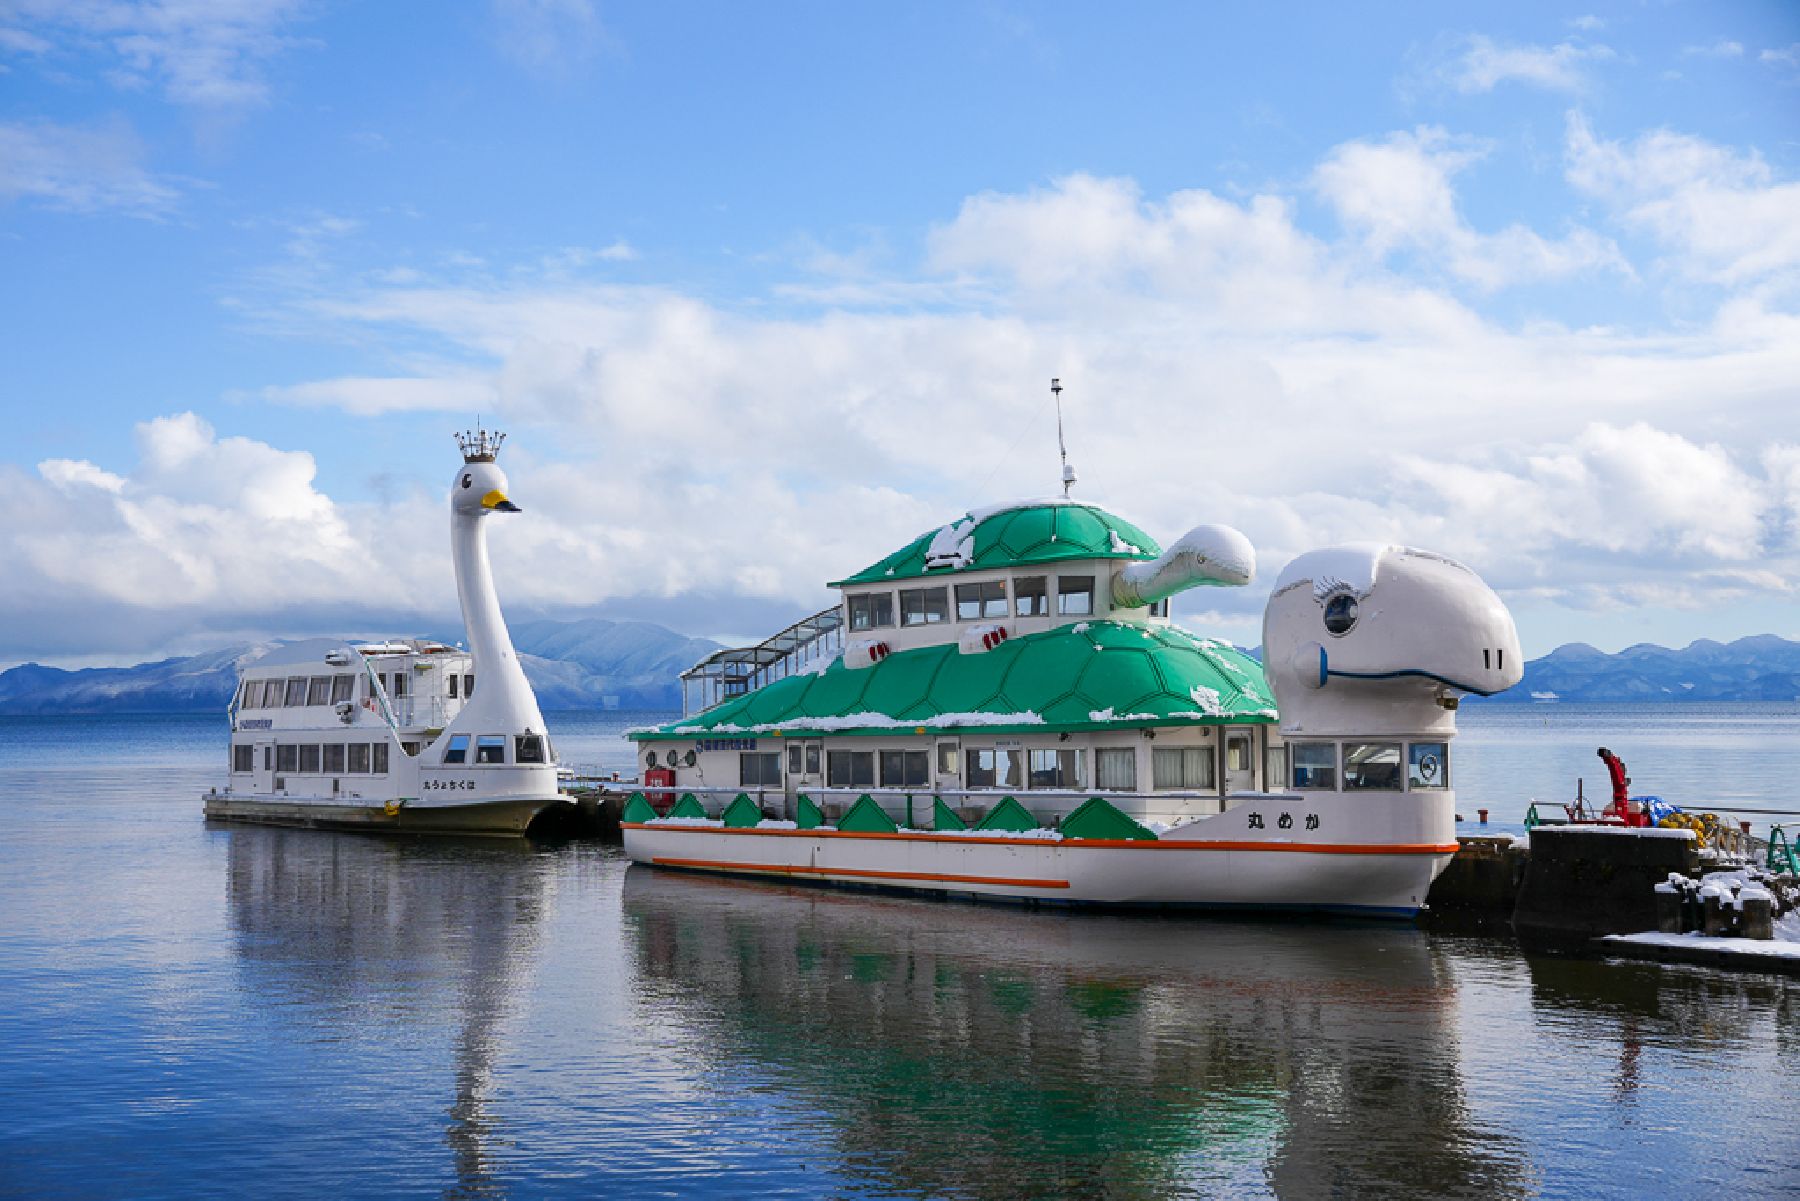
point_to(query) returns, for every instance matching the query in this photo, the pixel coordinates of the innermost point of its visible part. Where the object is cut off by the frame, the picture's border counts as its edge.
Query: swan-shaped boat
(1003, 709)
(405, 735)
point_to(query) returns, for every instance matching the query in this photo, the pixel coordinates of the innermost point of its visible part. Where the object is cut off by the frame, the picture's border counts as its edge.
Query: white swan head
(480, 489)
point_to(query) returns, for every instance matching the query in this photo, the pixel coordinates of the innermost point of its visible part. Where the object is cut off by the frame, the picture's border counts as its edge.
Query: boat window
(250, 694)
(1315, 764)
(1031, 596)
(296, 692)
(1074, 594)
(1056, 768)
(905, 769)
(1189, 767)
(468, 686)
(490, 748)
(528, 748)
(759, 769)
(266, 752)
(334, 758)
(1275, 766)
(458, 750)
(1428, 766)
(378, 758)
(399, 687)
(318, 690)
(453, 678)
(358, 753)
(1115, 769)
(948, 757)
(984, 599)
(1237, 753)
(812, 758)
(243, 758)
(869, 610)
(1372, 766)
(850, 769)
(287, 757)
(924, 606)
(1160, 608)
(272, 690)
(795, 760)
(990, 768)
(309, 759)
(341, 688)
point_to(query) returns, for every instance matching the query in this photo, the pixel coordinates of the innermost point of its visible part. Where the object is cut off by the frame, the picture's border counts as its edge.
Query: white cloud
(366, 396)
(1720, 213)
(1398, 194)
(1719, 48)
(1484, 64)
(1788, 57)
(204, 53)
(80, 168)
(553, 37)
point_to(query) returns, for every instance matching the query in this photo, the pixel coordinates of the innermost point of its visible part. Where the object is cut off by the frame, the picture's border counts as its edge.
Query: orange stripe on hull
(858, 872)
(1312, 848)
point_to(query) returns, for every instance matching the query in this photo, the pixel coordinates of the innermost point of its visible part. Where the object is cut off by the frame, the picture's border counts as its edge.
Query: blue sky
(760, 292)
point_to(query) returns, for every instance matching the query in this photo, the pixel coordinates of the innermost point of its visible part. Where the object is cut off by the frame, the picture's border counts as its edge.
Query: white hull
(1219, 862)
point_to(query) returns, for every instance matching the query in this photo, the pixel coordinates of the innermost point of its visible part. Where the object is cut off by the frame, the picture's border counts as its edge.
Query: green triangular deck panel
(1008, 815)
(867, 817)
(943, 817)
(1100, 818)
(807, 815)
(638, 809)
(688, 806)
(743, 812)
(1091, 675)
(1020, 535)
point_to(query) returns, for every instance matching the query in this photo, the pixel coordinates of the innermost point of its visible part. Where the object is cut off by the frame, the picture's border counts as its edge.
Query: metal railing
(916, 802)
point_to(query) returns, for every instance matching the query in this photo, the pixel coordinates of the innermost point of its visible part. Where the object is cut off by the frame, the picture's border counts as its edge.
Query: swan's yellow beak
(496, 500)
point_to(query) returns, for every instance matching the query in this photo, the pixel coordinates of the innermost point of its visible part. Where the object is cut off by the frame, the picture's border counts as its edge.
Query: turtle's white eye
(468, 480)
(1340, 614)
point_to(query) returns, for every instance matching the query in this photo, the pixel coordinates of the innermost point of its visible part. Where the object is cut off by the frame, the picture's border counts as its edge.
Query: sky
(761, 292)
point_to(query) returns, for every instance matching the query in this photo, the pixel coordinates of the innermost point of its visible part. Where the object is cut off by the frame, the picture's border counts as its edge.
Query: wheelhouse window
(983, 599)
(401, 686)
(1056, 767)
(341, 688)
(453, 680)
(1183, 767)
(850, 769)
(243, 758)
(924, 606)
(358, 753)
(1031, 597)
(1115, 769)
(287, 757)
(1372, 766)
(528, 748)
(1074, 595)
(871, 610)
(990, 768)
(458, 749)
(1315, 764)
(272, 690)
(296, 692)
(905, 769)
(1428, 766)
(334, 758)
(318, 690)
(250, 694)
(759, 769)
(490, 748)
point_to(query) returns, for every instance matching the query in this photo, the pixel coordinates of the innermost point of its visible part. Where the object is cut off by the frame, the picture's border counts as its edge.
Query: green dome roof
(1043, 531)
(1088, 676)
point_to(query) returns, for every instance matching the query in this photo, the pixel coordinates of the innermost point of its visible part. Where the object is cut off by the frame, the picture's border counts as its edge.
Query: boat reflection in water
(399, 943)
(991, 1052)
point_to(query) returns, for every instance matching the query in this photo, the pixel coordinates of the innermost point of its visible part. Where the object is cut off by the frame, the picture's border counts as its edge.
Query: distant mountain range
(586, 664)
(598, 664)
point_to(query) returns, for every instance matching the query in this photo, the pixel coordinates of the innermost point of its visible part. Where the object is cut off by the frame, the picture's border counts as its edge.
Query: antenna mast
(1068, 472)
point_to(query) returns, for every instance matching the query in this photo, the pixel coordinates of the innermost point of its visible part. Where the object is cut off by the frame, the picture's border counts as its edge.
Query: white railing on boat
(804, 646)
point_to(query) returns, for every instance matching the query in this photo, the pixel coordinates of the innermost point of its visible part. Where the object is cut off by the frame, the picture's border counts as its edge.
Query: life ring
(392, 808)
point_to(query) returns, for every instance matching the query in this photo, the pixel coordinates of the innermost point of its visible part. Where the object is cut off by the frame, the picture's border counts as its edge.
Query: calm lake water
(195, 1011)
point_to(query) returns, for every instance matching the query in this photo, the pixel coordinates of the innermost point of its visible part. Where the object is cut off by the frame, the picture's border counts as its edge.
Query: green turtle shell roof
(1088, 676)
(1025, 533)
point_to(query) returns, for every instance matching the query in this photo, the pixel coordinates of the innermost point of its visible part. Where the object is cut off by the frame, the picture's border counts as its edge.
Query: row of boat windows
(1371, 766)
(297, 691)
(1115, 768)
(976, 601)
(491, 748)
(315, 758)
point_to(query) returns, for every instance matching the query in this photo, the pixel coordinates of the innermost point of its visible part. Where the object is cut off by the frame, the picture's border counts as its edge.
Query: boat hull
(509, 817)
(1386, 880)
